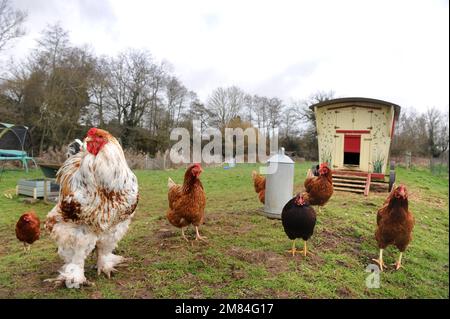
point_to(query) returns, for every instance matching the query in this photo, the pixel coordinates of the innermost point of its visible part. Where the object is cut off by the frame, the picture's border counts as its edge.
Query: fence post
(164, 160)
(432, 168)
(408, 160)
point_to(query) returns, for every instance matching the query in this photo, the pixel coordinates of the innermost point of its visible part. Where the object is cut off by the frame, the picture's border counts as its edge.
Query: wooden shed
(355, 136)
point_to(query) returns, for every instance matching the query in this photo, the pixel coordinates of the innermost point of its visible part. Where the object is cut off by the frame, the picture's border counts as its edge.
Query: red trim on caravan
(353, 131)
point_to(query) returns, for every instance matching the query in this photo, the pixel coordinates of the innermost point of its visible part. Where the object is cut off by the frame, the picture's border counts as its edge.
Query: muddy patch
(332, 239)
(344, 292)
(273, 262)
(165, 233)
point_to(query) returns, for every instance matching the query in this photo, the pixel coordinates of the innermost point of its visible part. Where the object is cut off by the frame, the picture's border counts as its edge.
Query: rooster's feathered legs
(107, 242)
(75, 243)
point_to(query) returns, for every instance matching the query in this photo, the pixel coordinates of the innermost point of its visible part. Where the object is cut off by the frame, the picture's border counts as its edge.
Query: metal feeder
(279, 184)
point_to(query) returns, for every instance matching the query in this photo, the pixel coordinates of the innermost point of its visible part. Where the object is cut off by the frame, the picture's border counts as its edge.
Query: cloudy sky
(392, 50)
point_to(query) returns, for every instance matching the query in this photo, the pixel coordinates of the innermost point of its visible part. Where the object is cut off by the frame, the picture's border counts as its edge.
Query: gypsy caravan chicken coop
(354, 136)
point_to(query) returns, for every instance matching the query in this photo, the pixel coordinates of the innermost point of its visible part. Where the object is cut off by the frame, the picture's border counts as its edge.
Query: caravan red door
(352, 143)
(352, 148)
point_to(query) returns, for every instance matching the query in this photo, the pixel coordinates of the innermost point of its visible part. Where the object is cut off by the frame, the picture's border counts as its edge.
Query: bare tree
(275, 106)
(11, 21)
(442, 142)
(197, 111)
(130, 81)
(437, 128)
(261, 109)
(52, 44)
(225, 104)
(64, 72)
(249, 108)
(53, 84)
(303, 106)
(177, 100)
(411, 133)
(289, 118)
(305, 121)
(98, 92)
(159, 75)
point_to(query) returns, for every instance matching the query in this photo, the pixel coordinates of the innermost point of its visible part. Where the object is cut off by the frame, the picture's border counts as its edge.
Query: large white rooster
(98, 197)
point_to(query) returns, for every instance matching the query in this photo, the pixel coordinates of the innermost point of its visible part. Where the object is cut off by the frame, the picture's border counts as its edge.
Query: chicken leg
(183, 235)
(379, 261)
(304, 250)
(198, 236)
(293, 250)
(26, 247)
(398, 263)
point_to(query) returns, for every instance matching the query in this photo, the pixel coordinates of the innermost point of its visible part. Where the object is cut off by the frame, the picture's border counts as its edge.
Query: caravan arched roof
(358, 100)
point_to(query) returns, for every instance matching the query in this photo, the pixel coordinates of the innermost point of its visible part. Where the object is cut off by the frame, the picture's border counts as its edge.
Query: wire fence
(437, 165)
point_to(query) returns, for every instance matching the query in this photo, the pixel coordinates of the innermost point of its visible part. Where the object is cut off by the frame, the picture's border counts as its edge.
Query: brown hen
(259, 182)
(187, 202)
(394, 224)
(319, 188)
(28, 229)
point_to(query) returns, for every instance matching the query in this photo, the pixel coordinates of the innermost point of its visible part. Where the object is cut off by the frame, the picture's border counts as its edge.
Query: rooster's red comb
(92, 131)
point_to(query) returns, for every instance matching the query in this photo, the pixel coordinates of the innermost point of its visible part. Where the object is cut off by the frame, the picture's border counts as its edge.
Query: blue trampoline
(16, 144)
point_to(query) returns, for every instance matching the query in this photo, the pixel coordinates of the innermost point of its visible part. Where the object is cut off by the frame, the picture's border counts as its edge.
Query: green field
(246, 253)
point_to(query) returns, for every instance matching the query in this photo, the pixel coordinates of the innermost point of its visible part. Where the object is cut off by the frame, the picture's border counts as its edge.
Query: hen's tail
(259, 182)
(170, 183)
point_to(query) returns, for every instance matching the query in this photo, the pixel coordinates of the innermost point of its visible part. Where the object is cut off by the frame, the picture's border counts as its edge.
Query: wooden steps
(351, 183)
(354, 190)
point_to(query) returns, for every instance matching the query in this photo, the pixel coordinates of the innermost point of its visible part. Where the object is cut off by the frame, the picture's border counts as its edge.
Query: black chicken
(298, 219)
(73, 148)
(315, 170)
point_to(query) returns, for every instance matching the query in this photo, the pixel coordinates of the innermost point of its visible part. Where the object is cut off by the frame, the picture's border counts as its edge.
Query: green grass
(246, 254)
